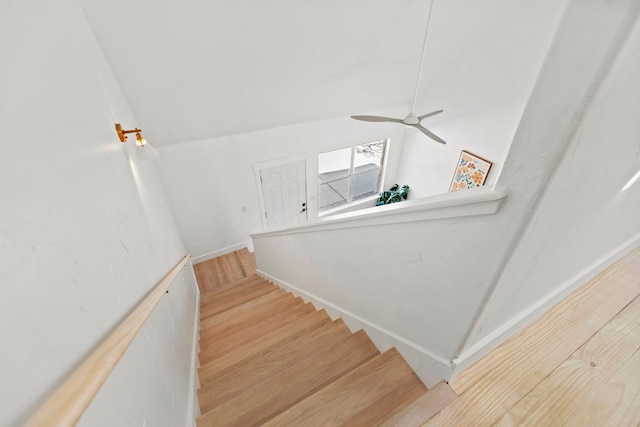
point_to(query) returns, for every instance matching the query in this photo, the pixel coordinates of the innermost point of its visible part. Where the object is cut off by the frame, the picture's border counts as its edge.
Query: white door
(284, 191)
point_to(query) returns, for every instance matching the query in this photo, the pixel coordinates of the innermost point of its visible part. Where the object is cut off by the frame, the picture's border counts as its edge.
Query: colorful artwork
(471, 172)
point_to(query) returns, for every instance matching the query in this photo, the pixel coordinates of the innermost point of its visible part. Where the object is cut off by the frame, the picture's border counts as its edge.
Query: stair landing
(217, 273)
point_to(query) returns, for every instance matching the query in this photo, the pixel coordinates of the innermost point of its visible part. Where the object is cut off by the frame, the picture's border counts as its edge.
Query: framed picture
(471, 172)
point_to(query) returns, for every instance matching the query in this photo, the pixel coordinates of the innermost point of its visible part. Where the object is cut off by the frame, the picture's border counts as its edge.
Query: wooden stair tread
(238, 288)
(347, 400)
(215, 307)
(247, 338)
(229, 288)
(423, 408)
(258, 369)
(273, 395)
(258, 323)
(267, 357)
(246, 307)
(237, 360)
(387, 404)
(212, 369)
(253, 309)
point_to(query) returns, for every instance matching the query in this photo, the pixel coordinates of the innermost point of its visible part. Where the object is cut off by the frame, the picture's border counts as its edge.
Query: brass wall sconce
(122, 134)
(143, 150)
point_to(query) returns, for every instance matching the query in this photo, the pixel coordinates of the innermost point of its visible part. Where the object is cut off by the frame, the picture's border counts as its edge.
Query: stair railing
(67, 404)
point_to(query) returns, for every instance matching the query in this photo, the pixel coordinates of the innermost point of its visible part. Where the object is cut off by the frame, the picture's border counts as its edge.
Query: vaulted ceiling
(199, 69)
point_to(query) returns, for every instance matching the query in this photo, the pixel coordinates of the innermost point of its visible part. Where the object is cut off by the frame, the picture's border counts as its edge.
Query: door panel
(285, 195)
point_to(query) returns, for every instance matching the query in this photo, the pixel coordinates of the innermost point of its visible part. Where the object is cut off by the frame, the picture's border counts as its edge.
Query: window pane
(367, 168)
(333, 178)
(337, 178)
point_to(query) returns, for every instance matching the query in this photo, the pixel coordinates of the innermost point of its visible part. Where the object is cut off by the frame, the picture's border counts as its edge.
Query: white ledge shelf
(476, 201)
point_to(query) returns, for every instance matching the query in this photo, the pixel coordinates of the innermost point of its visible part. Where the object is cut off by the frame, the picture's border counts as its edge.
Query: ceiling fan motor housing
(411, 119)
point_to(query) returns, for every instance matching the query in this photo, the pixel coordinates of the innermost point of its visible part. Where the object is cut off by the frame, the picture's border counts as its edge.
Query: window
(350, 174)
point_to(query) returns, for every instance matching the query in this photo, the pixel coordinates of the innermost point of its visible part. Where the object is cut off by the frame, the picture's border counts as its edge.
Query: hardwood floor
(579, 365)
(225, 270)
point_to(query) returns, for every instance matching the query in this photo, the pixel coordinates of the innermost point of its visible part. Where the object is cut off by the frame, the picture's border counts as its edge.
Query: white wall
(418, 281)
(209, 182)
(149, 385)
(481, 71)
(85, 232)
(427, 282)
(589, 212)
(482, 62)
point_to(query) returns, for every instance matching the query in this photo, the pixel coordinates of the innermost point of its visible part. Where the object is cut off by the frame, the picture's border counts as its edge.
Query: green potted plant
(393, 195)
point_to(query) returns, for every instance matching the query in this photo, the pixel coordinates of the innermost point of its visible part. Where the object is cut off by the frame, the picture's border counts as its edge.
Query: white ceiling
(198, 69)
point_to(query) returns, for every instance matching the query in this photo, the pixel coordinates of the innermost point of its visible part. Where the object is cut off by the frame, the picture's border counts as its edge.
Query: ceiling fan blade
(433, 113)
(430, 134)
(376, 119)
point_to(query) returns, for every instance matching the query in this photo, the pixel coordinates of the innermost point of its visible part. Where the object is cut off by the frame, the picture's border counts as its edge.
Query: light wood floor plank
(212, 369)
(291, 385)
(617, 403)
(336, 404)
(260, 369)
(224, 270)
(231, 269)
(286, 313)
(247, 261)
(237, 359)
(229, 303)
(216, 348)
(229, 289)
(423, 408)
(250, 311)
(504, 377)
(406, 389)
(570, 389)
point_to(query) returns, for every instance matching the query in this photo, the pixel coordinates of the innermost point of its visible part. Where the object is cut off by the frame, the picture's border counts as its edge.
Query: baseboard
(428, 366)
(484, 346)
(194, 406)
(223, 251)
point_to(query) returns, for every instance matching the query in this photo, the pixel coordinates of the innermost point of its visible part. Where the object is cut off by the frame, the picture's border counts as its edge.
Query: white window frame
(350, 202)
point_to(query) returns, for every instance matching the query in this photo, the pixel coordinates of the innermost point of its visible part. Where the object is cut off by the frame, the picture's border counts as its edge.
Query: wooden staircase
(267, 358)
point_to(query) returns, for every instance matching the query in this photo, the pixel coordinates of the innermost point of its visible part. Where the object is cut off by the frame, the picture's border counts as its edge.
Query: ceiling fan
(412, 119)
